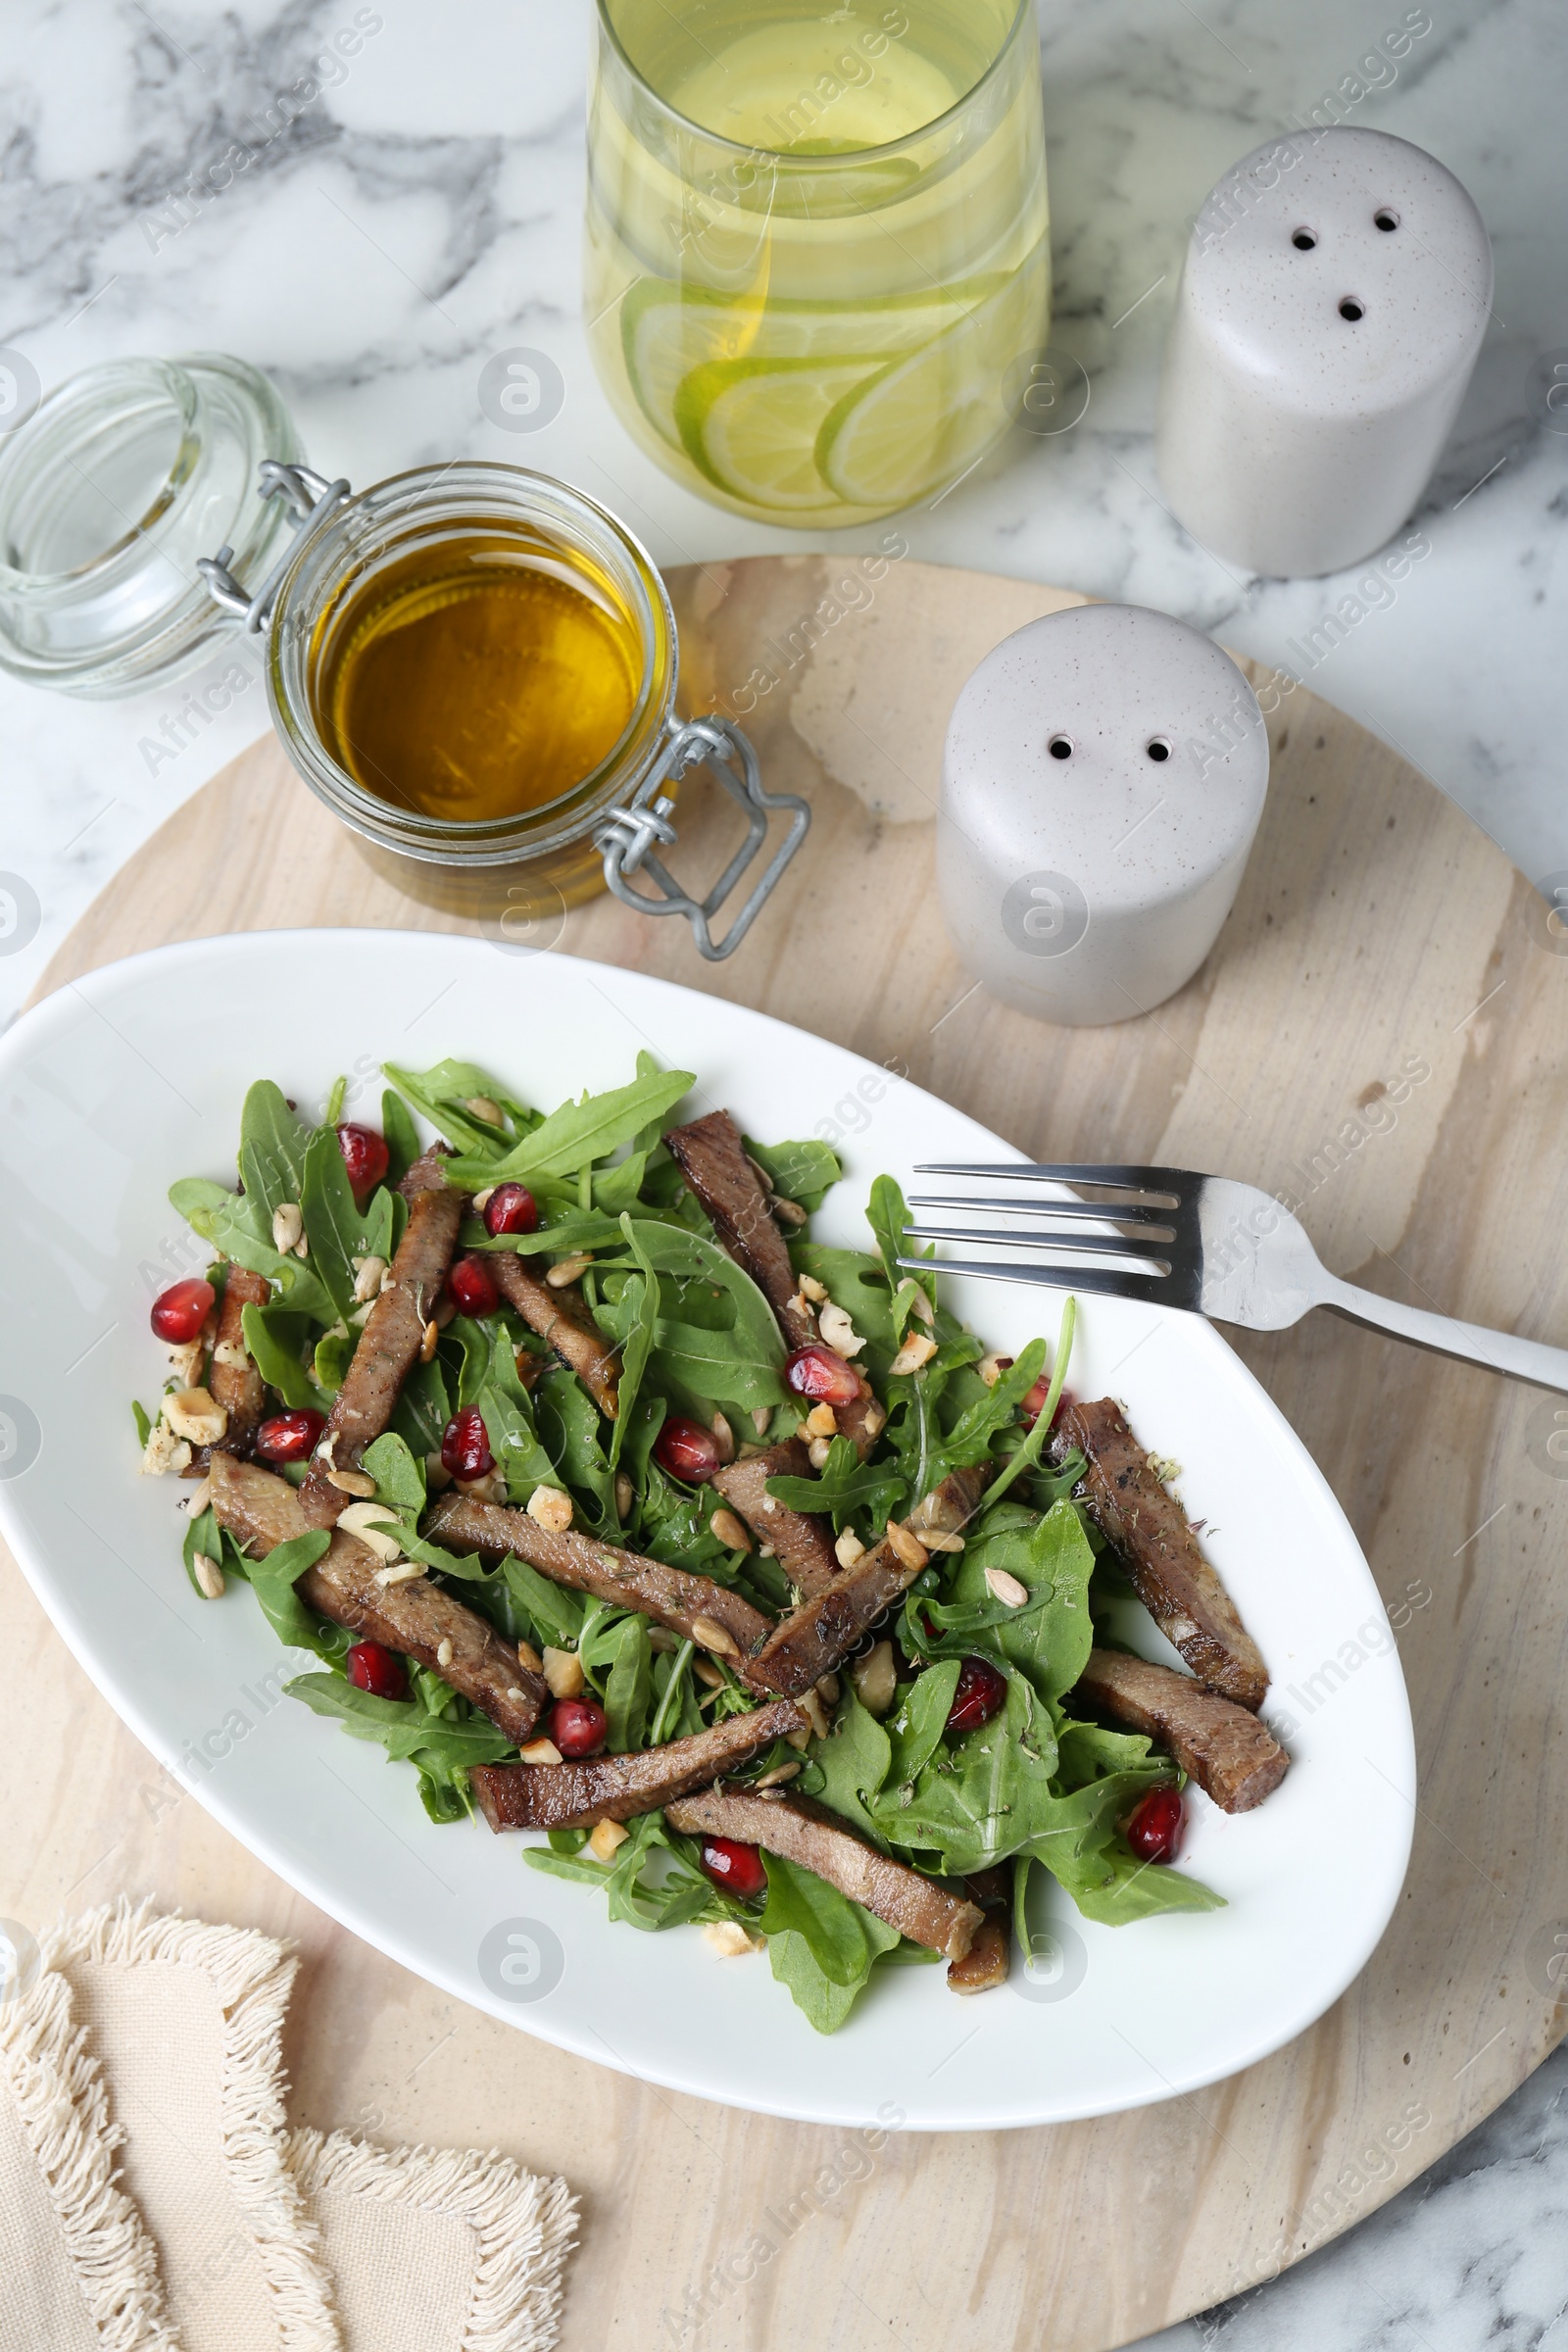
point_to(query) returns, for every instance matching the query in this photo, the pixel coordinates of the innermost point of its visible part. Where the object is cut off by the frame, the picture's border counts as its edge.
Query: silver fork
(1205, 1243)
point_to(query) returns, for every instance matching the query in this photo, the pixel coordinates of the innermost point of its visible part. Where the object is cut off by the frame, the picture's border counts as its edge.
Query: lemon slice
(667, 331)
(922, 419)
(751, 425)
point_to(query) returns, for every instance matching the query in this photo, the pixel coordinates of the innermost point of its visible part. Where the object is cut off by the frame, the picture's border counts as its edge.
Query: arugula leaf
(554, 1611)
(336, 1231)
(399, 1478)
(652, 1882)
(401, 1725)
(845, 1486)
(805, 1172)
(273, 1579)
(400, 1136)
(334, 1353)
(423, 1408)
(442, 1094)
(271, 1148)
(819, 1943)
(857, 1284)
(887, 1213)
(630, 1687)
(568, 1420)
(853, 1762)
(203, 1536)
(508, 1415)
(738, 1365)
(1115, 1887)
(1028, 1453)
(638, 1331)
(969, 1439)
(578, 1133)
(273, 1336)
(914, 1732)
(974, 1803)
(230, 1223)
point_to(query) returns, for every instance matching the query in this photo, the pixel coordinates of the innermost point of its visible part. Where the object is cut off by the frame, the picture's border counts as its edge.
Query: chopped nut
(804, 1309)
(427, 1345)
(728, 1529)
(817, 1452)
(772, 1779)
(367, 1273)
(517, 1694)
(625, 1494)
(195, 1414)
(568, 1269)
(922, 1307)
(540, 1751)
(800, 1739)
(351, 1481)
(723, 1439)
(1005, 1588)
(917, 1349)
(563, 1673)
(368, 1521)
(443, 1652)
(288, 1226)
(827, 1689)
(550, 1508)
(437, 1477)
(528, 1659)
(731, 1938)
(403, 1572)
(839, 1332)
(359, 1316)
(185, 1363)
(873, 1418)
(197, 1500)
(875, 1679)
(708, 1675)
(761, 1415)
(492, 1487)
(821, 1421)
(935, 1539)
(813, 1290)
(444, 1311)
(209, 1576)
(715, 1636)
(606, 1836)
(481, 1201)
(991, 1367)
(761, 1173)
(788, 1212)
(811, 1707)
(482, 1108)
(906, 1547)
(661, 1638)
(849, 1548)
(234, 1358)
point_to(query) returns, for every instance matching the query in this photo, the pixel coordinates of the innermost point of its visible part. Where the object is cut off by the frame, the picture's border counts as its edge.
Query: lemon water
(816, 241)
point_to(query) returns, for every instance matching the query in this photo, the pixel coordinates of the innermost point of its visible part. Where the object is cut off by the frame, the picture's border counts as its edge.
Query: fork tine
(1094, 1244)
(1136, 1214)
(1128, 1179)
(1151, 1291)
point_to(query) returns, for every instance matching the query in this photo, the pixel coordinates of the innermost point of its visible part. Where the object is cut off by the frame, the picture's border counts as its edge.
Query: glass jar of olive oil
(474, 667)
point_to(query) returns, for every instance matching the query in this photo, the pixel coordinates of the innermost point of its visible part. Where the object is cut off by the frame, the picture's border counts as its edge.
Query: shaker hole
(1303, 241)
(1060, 747)
(1157, 748)
(1350, 309)
(1385, 219)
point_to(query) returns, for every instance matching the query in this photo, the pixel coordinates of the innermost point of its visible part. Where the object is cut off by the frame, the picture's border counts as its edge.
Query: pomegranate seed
(981, 1693)
(578, 1726)
(510, 1208)
(365, 1155)
(735, 1866)
(179, 1312)
(1154, 1831)
(465, 1446)
(291, 1437)
(687, 1451)
(814, 1371)
(474, 1287)
(374, 1669)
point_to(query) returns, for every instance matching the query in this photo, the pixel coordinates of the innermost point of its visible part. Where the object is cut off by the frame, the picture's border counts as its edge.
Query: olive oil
(478, 678)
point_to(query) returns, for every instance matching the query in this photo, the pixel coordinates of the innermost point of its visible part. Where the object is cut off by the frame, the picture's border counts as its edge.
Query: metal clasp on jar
(628, 837)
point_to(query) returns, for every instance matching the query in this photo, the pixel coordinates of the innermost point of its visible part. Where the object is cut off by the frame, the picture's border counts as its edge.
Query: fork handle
(1499, 1351)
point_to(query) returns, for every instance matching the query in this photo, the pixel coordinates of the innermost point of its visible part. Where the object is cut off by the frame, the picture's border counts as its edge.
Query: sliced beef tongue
(1149, 1528)
(806, 1833)
(1227, 1752)
(391, 1339)
(713, 1160)
(233, 1381)
(262, 1510)
(802, 1541)
(694, 1606)
(561, 1318)
(573, 1797)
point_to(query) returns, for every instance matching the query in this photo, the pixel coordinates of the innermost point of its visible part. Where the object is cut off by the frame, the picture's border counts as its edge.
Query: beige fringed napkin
(152, 2198)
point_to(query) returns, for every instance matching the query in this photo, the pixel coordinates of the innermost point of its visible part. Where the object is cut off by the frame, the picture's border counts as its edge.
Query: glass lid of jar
(110, 491)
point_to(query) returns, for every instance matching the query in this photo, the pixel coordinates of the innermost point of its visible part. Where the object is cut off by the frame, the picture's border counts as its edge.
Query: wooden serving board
(1377, 933)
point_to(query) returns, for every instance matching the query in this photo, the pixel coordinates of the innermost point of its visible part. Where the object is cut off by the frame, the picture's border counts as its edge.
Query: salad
(725, 1563)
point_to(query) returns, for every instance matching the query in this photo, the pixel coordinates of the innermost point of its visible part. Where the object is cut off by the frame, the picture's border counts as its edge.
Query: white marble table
(423, 214)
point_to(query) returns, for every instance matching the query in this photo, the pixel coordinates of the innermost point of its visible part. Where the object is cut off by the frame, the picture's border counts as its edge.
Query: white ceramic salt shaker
(1335, 290)
(1103, 779)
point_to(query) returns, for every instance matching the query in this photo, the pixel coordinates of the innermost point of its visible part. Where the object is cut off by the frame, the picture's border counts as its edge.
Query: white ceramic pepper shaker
(1103, 779)
(1335, 290)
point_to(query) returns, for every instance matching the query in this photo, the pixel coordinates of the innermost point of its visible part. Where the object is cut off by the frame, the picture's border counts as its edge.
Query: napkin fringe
(61, 2103)
(252, 1977)
(525, 2225)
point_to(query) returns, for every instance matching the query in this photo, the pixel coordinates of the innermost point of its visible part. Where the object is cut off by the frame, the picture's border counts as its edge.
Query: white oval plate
(121, 1082)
